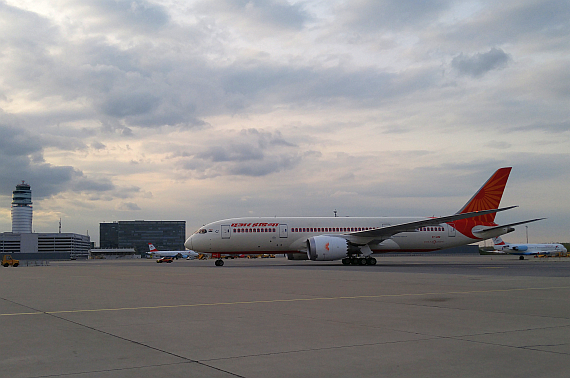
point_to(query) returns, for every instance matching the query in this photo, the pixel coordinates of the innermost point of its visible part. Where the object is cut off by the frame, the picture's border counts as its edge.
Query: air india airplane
(353, 239)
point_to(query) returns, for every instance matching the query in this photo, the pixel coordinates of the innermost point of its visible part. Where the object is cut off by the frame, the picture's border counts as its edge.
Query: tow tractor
(7, 260)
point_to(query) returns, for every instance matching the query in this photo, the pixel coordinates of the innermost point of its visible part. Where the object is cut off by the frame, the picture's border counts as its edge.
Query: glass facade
(165, 235)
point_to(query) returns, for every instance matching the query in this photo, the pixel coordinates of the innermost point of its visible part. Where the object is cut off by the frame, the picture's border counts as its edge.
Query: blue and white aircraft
(522, 250)
(176, 254)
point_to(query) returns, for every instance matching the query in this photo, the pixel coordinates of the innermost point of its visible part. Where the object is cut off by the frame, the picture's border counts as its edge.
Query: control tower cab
(22, 209)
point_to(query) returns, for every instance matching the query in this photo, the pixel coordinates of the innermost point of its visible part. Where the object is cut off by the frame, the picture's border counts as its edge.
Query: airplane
(522, 250)
(176, 254)
(353, 240)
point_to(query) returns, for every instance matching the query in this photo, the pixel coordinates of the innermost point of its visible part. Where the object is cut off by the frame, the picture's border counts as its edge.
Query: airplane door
(226, 232)
(450, 230)
(283, 231)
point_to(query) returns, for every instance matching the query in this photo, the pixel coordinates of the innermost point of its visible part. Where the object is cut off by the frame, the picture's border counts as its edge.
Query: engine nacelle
(327, 248)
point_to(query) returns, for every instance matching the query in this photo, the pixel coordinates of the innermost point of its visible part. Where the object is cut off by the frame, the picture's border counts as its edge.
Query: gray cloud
(147, 86)
(22, 159)
(138, 16)
(98, 145)
(129, 206)
(558, 127)
(478, 64)
(304, 86)
(370, 15)
(272, 14)
(250, 152)
(540, 25)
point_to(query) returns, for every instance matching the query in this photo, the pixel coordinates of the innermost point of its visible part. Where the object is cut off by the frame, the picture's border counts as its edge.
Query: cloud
(98, 145)
(250, 152)
(271, 15)
(305, 86)
(537, 25)
(479, 64)
(370, 15)
(135, 16)
(555, 128)
(22, 159)
(129, 206)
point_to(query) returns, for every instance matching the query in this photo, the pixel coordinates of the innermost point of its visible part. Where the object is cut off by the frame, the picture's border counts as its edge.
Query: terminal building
(165, 235)
(24, 244)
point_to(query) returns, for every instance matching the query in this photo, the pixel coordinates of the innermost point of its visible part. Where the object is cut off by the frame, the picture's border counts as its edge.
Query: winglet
(488, 196)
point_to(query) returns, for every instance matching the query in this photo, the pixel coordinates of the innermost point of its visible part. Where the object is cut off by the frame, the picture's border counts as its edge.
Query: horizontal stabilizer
(506, 225)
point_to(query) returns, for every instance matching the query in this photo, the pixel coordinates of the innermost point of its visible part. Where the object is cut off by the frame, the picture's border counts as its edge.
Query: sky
(204, 110)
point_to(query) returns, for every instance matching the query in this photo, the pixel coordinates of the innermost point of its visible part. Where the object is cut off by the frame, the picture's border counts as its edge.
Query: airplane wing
(384, 233)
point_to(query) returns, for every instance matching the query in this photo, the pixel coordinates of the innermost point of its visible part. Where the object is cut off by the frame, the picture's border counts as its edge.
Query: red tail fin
(488, 197)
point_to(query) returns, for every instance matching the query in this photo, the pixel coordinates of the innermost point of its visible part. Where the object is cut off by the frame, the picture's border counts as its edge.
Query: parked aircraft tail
(488, 196)
(498, 241)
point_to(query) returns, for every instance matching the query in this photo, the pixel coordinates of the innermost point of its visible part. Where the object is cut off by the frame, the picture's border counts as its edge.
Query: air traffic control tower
(22, 209)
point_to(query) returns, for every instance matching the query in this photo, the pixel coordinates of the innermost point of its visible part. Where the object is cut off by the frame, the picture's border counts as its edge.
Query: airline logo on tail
(152, 247)
(487, 197)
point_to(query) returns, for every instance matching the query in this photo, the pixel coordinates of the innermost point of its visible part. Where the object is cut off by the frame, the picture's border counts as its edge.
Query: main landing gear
(359, 261)
(219, 262)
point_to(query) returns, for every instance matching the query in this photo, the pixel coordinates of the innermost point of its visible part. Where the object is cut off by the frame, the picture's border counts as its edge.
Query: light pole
(526, 234)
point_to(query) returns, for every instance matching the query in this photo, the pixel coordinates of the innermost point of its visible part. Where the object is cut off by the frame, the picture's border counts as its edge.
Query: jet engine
(328, 248)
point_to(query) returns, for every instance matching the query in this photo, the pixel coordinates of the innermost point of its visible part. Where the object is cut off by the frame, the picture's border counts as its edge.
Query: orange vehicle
(165, 259)
(7, 260)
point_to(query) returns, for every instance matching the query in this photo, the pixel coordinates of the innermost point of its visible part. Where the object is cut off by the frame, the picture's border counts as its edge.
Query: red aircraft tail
(488, 197)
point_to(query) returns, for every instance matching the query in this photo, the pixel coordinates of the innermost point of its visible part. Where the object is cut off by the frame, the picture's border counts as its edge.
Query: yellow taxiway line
(283, 301)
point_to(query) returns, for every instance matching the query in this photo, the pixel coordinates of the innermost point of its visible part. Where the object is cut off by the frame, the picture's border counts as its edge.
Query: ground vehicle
(166, 259)
(8, 260)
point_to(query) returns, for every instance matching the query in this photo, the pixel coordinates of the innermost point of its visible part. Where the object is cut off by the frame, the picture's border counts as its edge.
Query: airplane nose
(188, 243)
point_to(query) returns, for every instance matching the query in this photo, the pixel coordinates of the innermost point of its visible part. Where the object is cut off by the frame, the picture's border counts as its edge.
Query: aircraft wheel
(371, 261)
(353, 261)
(361, 261)
(346, 261)
(219, 262)
(521, 257)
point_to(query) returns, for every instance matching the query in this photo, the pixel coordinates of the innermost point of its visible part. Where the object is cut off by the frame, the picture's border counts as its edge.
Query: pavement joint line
(283, 301)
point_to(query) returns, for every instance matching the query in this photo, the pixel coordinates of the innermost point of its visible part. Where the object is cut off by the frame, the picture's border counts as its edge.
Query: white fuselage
(290, 235)
(532, 249)
(184, 253)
